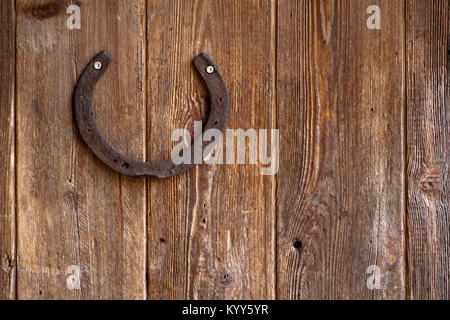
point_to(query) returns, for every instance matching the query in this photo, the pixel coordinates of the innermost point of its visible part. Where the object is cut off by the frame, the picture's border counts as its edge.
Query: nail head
(97, 65)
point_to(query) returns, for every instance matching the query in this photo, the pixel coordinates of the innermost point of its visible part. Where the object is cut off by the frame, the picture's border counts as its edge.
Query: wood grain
(341, 182)
(73, 210)
(7, 152)
(364, 171)
(428, 38)
(210, 231)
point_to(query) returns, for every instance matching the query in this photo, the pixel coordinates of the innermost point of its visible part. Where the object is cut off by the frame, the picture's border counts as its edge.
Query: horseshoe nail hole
(162, 240)
(297, 245)
(220, 99)
(125, 165)
(216, 122)
(115, 160)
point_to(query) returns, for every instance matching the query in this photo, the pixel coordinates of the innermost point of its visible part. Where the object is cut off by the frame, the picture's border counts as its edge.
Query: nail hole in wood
(297, 245)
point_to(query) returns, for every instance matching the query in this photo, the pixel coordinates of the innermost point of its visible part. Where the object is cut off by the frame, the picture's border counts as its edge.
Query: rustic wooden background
(364, 173)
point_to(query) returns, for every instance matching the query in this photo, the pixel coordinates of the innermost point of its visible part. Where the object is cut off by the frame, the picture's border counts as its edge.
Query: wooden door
(358, 209)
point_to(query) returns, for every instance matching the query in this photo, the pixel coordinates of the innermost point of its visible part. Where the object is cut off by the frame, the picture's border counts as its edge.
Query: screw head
(97, 65)
(210, 69)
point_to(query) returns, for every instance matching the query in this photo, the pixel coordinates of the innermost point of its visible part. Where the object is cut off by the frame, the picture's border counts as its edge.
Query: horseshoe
(119, 162)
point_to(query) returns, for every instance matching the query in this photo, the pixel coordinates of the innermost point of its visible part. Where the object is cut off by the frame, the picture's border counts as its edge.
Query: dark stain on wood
(47, 10)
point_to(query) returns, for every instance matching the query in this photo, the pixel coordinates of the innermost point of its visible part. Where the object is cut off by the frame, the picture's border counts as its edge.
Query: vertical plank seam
(275, 124)
(14, 273)
(147, 180)
(405, 154)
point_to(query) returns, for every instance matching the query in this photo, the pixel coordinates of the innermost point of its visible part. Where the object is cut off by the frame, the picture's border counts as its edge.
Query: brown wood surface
(72, 209)
(210, 231)
(341, 173)
(7, 136)
(428, 154)
(364, 153)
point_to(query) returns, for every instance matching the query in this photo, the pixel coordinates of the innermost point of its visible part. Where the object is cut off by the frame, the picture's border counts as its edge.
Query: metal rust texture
(83, 96)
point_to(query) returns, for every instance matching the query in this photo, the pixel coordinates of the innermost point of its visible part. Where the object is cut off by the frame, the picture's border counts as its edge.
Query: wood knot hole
(430, 182)
(297, 245)
(226, 279)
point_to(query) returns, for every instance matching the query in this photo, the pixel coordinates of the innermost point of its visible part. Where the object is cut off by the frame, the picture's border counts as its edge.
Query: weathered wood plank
(211, 230)
(7, 137)
(72, 210)
(341, 179)
(428, 133)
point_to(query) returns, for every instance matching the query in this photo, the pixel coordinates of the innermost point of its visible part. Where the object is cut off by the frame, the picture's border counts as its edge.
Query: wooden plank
(428, 39)
(72, 210)
(211, 230)
(7, 136)
(341, 179)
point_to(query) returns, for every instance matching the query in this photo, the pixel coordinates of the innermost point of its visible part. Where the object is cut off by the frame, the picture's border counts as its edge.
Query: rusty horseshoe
(117, 161)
